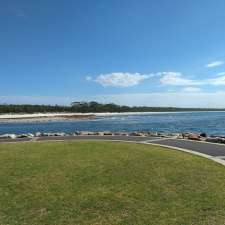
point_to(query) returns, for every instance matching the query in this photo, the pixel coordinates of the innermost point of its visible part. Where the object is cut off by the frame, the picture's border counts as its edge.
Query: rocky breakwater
(89, 133)
(203, 137)
(186, 136)
(220, 140)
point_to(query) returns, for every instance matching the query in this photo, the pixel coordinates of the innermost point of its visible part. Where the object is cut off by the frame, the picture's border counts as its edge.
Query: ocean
(212, 123)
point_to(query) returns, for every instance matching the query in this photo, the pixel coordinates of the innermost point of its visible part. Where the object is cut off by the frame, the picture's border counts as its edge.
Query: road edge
(217, 160)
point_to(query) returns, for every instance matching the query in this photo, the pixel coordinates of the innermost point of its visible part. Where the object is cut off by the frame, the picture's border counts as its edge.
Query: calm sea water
(212, 123)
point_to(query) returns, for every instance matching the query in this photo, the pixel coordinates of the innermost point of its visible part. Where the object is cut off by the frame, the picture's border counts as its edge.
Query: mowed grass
(72, 183)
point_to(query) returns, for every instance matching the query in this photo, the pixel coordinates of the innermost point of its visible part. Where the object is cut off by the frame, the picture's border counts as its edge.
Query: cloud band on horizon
(156, 99)
(214, 64)
(120, 79)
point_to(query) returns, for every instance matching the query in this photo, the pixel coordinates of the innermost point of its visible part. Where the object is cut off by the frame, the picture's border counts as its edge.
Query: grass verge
(82, 183)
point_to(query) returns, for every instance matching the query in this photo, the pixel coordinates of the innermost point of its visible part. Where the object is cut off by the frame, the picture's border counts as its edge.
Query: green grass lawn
(72, 183)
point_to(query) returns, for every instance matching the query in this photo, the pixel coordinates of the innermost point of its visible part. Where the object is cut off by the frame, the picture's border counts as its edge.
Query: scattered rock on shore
(194, 137)
(38, 134)
(204, 135)
(29, 135)
(12, 136)
(108, 133)
(120, 133)
(190, 136)
(139, 134)
(215, 140)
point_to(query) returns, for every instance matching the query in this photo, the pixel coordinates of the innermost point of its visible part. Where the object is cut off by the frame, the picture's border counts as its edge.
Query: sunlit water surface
(212, 123)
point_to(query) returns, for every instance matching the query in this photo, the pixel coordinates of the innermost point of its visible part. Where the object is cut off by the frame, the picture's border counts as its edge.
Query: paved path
(214, 151)
(106, 137)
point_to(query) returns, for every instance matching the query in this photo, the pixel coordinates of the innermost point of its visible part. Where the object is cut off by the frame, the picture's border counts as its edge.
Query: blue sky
(146, 52)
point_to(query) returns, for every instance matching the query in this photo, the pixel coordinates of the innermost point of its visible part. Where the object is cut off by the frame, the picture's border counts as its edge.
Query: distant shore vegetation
(91, 107)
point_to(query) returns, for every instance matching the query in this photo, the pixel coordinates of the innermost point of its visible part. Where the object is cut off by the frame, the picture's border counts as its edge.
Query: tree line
(90, 107)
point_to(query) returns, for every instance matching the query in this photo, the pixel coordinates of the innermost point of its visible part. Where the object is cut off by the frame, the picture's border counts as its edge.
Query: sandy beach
(46, 117)
(42, 117)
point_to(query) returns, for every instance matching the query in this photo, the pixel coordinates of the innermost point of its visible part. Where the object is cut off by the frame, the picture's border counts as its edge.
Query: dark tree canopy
(90, 107)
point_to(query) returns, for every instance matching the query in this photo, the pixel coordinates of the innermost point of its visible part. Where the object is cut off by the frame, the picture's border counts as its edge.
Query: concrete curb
(215, 159)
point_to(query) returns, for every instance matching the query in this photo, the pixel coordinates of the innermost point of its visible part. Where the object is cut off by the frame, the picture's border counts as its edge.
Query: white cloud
(191, 89)
(166, 79)
(218, 81)
(174, 99)
(88, 78)
(121, 79)
(221, 74)
(167, 99)
(177, 79)
(214, 64)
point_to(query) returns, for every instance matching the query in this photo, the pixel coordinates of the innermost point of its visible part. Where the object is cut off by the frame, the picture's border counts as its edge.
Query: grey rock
(30, 135)
(22, 136)
(12, 136)
(120, 133)
(38, 134)
(107, 133)
(84, 133)
(61, 134)
(186, 134)
(215, 139)
(139, 134)
(194, 137)
(153, 134)
(46, 134)
(204, 135)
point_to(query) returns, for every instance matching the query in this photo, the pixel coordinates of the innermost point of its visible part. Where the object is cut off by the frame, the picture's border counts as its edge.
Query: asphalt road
(201, 147)
(210, 149)
(106, 137)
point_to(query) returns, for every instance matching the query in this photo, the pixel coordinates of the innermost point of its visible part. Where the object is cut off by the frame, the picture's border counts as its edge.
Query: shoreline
(14, 116)
(43, 117)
